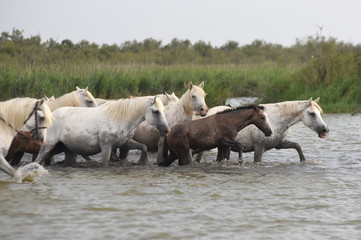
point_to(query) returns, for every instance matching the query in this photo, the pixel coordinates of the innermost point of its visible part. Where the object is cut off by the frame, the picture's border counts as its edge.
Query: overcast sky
(214, 21)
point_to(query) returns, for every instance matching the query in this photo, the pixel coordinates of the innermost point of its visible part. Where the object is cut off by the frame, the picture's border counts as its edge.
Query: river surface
(280, 198)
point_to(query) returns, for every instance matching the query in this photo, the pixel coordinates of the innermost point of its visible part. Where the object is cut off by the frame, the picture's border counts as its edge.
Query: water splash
(30, 172)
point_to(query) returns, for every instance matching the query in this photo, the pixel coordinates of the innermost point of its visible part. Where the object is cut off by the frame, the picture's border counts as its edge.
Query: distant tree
(230, 46)
(203, 48)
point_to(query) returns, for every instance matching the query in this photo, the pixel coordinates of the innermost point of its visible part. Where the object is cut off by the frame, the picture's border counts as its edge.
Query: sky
(212, 21)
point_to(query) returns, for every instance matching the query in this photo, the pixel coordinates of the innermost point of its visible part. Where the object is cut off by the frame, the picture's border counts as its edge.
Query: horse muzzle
(268, 133)
(165, 132)
(203, 110)
(323, 133)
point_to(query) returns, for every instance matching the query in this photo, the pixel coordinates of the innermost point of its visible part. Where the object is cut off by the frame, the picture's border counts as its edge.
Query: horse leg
(288, 144)
(44, 152)
(167, 160)
(199, 157)
(123, 155)
(143, 160)
(5, 166)
(160, 150)
(70, 158)
(16, 158)
(105, 154)
(258, 153)
(221, 153)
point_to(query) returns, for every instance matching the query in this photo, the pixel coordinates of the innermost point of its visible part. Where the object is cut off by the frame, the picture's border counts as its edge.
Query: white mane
(68, 99)
(130, 108)
(294, 107)
(17, 110)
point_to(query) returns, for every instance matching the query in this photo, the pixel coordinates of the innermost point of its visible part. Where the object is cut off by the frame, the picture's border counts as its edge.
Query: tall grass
(272, 84)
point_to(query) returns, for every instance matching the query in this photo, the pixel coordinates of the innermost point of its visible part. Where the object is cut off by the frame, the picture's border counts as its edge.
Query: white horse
(78, 98)
(26, 114)
(88, 131)
(193, 100)
(282, 116)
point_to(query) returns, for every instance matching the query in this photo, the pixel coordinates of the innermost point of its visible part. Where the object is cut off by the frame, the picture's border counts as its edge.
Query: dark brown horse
(219, 130)
(22, 142)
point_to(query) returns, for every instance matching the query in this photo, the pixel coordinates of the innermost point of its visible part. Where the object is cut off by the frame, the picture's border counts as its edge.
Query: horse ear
(41, 101)
(317, 99)
(310, 100)
(190, 85)
(154, 99)
(86, 89)
(168, 96)
(77, 88)
(202, 84)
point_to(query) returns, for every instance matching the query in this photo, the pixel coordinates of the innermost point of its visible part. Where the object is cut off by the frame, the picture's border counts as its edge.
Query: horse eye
(193, 96)
(312, 114)
(156, 111)
(41, 118)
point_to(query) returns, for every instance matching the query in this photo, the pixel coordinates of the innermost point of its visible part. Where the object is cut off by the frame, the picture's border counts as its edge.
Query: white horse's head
(38, 120)
(196, 100)
(85, 98)
(311, 117)
(155, 116)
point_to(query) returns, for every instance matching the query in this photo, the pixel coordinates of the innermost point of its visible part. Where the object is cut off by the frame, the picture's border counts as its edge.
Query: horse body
(88, 131)
(181, 111)
(218, 130)
(26, 114)
(282, 116)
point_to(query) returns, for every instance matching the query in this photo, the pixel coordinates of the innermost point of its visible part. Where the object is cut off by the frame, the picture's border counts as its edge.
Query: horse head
(196, 99)
(38, 120)
(85, 98)
(311, 117)
(260, 119)
(155, 116)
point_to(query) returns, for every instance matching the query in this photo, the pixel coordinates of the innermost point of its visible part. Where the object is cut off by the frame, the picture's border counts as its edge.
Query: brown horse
(219, 130)
(22, 142)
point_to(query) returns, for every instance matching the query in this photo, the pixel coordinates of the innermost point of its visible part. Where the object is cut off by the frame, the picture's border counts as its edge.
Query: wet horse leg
(70, 158)
(160, 150)
(105, 154)
(288, 144)
(143, 160)
(233, 145)
(258, 153)
(15, 158)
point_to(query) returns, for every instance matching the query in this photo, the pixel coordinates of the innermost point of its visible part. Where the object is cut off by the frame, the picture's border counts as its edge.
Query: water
(278, 199)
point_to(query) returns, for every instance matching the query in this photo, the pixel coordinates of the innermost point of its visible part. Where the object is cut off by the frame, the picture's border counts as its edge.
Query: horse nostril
(202, 109)
(325, 130)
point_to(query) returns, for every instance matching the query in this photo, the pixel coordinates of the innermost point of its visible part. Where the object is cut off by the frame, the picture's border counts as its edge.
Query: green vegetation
(310, 68)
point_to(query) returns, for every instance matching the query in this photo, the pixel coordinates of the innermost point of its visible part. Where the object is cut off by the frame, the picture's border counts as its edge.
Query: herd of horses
(175, 128)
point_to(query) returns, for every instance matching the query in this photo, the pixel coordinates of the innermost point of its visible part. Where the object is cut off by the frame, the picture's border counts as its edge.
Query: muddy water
(278, 199)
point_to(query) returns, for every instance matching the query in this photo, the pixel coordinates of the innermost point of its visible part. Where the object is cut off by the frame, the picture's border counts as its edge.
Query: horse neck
(184, 102)
(283, 117)
(240, 118)
(178, 112)
(126, 111)
(67, 100)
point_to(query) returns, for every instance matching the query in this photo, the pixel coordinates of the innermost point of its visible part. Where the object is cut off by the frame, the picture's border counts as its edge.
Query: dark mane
(245, 107)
